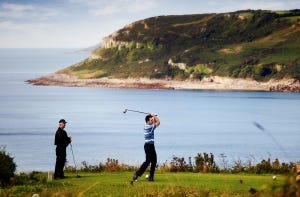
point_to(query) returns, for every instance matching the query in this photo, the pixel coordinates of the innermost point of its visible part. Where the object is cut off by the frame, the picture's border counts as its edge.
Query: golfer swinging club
(62, 140)
(152, 122)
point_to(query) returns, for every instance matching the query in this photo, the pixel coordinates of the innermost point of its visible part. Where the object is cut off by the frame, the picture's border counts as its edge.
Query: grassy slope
(166, 184)
(254, 44)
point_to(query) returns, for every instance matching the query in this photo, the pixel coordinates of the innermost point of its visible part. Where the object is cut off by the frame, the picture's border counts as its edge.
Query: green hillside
(243, 44)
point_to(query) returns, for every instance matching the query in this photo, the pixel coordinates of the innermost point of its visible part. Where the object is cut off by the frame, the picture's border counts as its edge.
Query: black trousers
(60, 161)
(150, 158)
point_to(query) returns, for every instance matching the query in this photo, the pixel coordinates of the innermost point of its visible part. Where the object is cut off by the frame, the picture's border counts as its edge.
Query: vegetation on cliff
(245, 44)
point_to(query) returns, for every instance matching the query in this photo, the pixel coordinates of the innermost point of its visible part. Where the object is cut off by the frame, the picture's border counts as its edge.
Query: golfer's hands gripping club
(155, 119)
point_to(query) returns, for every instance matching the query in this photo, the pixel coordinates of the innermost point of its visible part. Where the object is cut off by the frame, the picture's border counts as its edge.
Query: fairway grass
(166, 184)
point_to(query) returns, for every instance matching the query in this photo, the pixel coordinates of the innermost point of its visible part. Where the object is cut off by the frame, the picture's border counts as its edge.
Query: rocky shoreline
(211, 83)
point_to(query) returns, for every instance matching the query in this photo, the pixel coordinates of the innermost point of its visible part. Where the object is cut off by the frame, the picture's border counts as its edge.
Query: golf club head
(125, 111)
(258, 126)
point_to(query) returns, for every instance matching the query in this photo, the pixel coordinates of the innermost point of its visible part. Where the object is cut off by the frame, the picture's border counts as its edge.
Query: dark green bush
(7, 167)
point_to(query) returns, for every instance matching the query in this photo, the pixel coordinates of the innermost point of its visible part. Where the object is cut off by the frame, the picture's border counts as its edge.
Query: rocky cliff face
(110, 42)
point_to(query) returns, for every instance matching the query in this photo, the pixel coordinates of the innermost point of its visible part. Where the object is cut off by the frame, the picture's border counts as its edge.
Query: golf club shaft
(269, 134)
(73, 158)
(126, 110)
(137, 111)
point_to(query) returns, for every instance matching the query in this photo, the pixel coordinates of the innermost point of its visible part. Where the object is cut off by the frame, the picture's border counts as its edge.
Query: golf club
(260, 127)
(78, 176)
(126, 110)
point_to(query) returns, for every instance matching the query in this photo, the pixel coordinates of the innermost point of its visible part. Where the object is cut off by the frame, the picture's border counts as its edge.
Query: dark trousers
(150, 158)
(60, 162)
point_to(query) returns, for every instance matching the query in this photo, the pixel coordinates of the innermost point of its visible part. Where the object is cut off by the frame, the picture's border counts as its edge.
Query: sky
(83, 23)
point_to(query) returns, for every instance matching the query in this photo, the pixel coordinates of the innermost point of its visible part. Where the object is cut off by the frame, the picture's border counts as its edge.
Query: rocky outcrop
(109, 42)
(290, 86)
(181, 66)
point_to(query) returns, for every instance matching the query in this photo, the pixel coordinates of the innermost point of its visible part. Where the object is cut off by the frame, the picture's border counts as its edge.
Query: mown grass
(166, 184)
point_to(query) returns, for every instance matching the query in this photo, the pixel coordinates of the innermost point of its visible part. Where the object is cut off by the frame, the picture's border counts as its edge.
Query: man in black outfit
(62, 140)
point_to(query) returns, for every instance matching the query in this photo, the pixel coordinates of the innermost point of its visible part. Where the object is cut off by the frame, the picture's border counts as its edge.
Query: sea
(232, 125)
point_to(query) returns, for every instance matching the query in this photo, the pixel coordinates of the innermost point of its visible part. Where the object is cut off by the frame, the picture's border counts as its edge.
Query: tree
(7, 167)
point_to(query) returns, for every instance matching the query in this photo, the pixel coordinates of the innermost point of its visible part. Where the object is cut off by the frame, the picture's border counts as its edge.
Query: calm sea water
(218, 122)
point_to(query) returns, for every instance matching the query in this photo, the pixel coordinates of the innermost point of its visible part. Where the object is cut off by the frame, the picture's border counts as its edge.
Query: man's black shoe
(150, 179)
(135, 177)
(59, 177)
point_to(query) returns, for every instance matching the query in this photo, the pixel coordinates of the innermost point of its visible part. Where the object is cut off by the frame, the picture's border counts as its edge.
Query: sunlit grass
(166, 184)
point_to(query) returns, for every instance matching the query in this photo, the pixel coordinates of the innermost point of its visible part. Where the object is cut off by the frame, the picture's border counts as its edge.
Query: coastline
(211, 83)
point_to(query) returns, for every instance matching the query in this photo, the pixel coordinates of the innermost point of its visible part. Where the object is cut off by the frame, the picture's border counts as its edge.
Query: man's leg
(153, 158)
(57, 163)
(56, 172)
(60, 163)
(59, 166)
(146, 163)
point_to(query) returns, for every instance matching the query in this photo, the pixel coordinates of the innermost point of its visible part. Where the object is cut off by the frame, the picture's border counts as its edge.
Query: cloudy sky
(83, 23)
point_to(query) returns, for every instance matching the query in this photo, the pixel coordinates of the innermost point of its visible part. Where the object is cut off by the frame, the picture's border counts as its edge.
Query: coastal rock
(294, 86)
(212, 83)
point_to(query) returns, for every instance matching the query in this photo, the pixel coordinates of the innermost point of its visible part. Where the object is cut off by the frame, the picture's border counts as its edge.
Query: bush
(199, 71)
(7, 167)
(32, 178)
(112, 165)
(206, 163)
(90, 168)
(178, 164)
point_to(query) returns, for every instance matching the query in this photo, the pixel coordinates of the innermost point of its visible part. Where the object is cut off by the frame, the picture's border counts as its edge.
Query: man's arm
(156, 120)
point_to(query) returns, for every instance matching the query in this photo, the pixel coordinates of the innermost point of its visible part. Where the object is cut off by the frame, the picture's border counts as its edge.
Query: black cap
(62, 121)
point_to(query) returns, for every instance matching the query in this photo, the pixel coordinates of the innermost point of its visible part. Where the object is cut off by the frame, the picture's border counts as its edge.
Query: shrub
(178, 164)
(91, 168)
(112, 165)
(7, 167)
(206, 163)
(203, 162)
(20, 179)
(34, 177)
(199, 71)
(238, 166)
